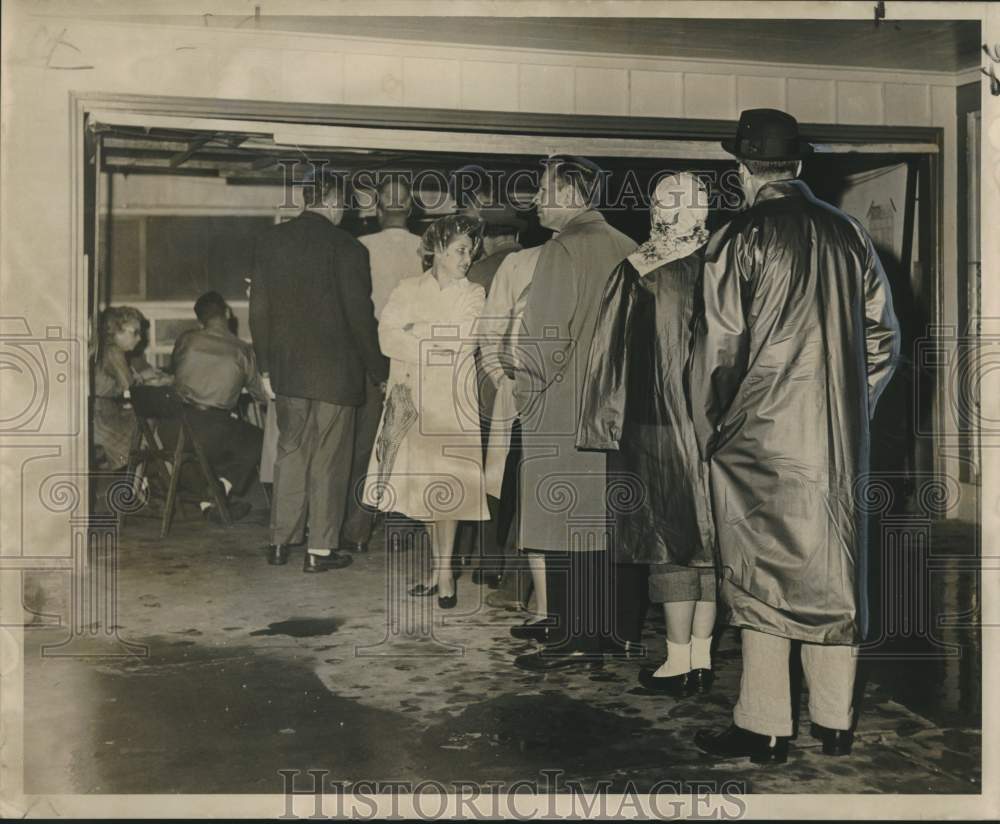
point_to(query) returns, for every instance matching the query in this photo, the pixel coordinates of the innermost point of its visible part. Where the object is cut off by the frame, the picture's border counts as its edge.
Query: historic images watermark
(436, 190)
(551, 795)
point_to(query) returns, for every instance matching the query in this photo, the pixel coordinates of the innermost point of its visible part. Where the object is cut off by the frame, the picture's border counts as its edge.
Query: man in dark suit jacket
(314, 331)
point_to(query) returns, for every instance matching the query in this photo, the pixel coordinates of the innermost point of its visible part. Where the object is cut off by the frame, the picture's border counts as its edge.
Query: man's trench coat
(797, 342)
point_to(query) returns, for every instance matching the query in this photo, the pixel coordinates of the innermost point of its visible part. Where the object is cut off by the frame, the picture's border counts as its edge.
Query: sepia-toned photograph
(499, 410)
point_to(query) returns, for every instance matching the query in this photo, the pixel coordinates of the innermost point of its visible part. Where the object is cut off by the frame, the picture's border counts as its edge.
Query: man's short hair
(580, 172)
(317, 190)
(470, 184)
(778, 169)
(394, 194)
(210, 305)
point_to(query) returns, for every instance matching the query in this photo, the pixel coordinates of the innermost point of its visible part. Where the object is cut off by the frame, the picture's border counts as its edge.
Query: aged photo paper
(178, 178)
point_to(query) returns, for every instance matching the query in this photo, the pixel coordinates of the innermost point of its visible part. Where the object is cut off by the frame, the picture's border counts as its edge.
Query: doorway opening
(174, 192)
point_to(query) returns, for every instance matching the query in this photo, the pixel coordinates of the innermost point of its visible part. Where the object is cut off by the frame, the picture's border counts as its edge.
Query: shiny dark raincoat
(797, 342)
(634, 406)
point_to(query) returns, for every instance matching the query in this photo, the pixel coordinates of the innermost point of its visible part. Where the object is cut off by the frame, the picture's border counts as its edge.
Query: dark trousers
(360, 520)
(631, 600)
(479, 541)
(231, 446)
(312, 471)
(516, 579)
(598, 605)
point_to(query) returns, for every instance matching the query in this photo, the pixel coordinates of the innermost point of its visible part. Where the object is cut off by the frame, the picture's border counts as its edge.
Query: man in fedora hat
(797, 341)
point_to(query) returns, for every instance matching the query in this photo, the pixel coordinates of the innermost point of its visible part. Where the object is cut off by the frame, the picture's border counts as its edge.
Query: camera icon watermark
(37, 391)
(968, 366)
(451, 379)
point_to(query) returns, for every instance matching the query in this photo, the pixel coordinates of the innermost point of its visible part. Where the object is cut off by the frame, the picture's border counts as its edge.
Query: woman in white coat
(427, 463)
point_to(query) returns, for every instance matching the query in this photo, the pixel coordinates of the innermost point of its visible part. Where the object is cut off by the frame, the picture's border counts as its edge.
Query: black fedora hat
(767, 134)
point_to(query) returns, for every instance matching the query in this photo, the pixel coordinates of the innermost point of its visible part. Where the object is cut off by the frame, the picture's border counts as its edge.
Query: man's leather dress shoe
(533, 630)
(277, 554)
(737, 742)
(321, 563)
(835, 742)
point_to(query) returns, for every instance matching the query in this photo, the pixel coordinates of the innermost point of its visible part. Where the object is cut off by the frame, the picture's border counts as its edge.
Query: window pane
(187, 256)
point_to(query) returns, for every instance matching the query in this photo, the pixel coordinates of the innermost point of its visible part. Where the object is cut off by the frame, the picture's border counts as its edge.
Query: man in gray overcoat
(797, 342)
(563, 510)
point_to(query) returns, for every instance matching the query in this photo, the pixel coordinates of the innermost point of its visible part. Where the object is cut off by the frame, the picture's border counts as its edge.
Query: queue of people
(681, 420)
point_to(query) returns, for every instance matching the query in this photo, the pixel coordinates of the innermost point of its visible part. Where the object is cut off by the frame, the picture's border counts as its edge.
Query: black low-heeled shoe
(423, 591)
(700, 681)
(673, 685)
(448, 602)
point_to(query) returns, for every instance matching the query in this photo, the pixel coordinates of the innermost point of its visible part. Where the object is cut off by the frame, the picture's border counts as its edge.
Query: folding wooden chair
(153, 405)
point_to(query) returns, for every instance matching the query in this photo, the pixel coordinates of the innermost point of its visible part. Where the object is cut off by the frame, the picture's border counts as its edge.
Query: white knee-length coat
(434, 471)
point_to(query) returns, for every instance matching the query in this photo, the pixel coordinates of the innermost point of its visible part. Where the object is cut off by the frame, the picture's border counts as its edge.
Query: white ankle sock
(323, 552)
(203, 505)
(227, 485)
(678, 661)
(701, 652)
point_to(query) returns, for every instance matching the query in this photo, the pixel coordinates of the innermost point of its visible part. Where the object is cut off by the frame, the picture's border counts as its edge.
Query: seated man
(211, 367)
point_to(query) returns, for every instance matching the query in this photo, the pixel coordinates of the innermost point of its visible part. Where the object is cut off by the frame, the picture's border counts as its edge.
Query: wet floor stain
(301, 627)
(524, 734)
(197, 720)
(223, 712)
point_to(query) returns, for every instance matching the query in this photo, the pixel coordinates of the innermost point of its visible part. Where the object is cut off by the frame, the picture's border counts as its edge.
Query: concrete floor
(225, 670)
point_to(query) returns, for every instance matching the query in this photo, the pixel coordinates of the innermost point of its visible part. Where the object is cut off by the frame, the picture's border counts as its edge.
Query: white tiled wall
(656, 94)
(431, 83)
(760, 92)
(525, 81)
(250, 73)
(318, 76)
(710, 96)
(290, 68)
(859, 102)
(601, 91)
(489, 85)
(373, 79)
(547, 88)
(811, 100)
(907, 104)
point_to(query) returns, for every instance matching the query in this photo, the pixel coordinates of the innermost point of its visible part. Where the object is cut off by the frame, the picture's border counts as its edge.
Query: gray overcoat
(563, 491)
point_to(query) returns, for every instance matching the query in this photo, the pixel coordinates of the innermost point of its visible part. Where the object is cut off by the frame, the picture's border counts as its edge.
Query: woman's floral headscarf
(677, 222)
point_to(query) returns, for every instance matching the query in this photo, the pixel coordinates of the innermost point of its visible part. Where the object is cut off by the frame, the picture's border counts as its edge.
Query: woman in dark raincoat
(634, 406)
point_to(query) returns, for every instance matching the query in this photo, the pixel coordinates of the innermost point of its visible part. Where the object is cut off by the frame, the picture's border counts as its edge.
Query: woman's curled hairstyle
(113, 320)
(444, 230)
